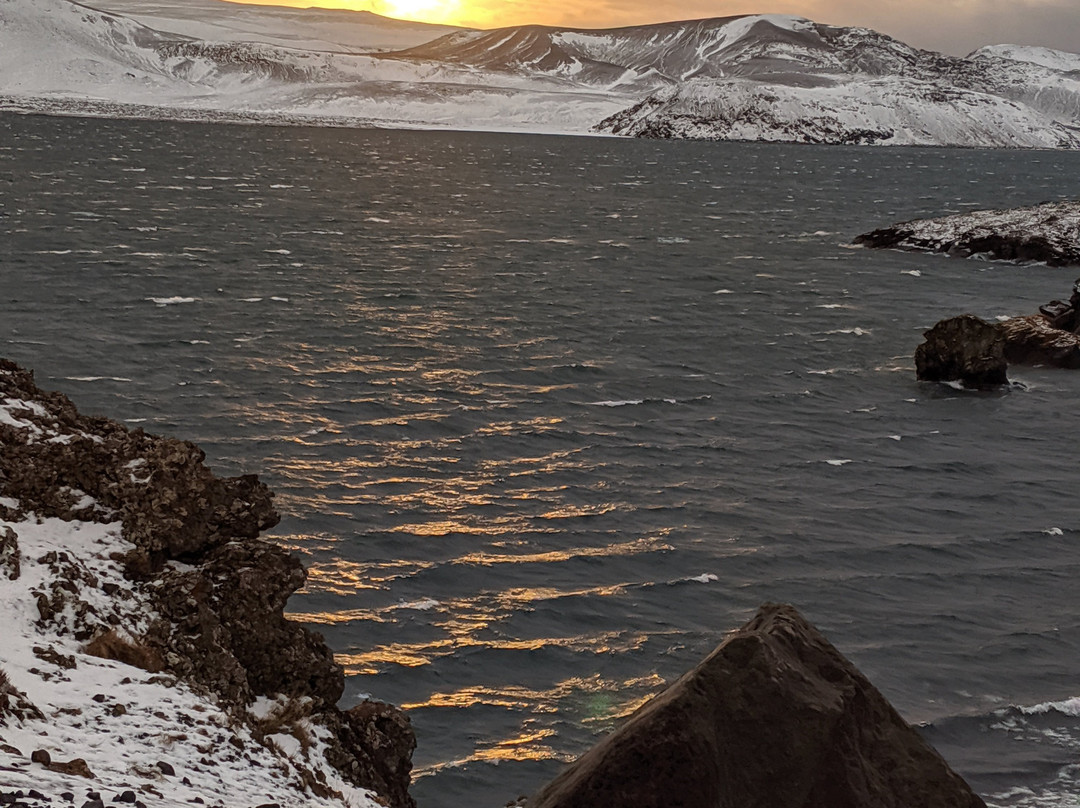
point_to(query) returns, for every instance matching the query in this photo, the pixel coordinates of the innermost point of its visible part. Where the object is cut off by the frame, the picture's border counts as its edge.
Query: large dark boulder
(775, 717)
(964, 349)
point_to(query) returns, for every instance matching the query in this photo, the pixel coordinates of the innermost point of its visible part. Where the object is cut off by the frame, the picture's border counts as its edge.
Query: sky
(951, 26)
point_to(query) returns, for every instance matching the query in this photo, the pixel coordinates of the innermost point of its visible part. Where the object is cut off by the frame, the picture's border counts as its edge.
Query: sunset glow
(957, 26)
(445, 12)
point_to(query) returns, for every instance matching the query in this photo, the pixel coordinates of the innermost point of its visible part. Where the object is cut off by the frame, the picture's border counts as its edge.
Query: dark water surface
(547, 416)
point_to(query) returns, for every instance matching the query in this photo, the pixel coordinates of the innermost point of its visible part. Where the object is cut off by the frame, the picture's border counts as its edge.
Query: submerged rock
(775, 717)
(1048, 233)
(964, 349)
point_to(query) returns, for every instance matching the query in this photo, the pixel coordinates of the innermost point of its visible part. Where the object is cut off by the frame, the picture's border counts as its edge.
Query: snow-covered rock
(144, 648)
(1047, 233)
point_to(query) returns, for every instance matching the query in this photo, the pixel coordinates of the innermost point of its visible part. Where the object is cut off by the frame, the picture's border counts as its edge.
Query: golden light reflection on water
(341, 576)
(587, 700)
(463, 631)
(484, 609)
(646, 544)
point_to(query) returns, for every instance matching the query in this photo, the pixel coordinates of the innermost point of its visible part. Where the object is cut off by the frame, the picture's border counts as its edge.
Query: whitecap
(96, 379)
(422, 605)
(839, 462)
(278, 252)
(1069, 707)
(171, 301)
(856, 331)
(912, 272)
(724, 292)
(617, 403)
(1054, 531)
(704, 578)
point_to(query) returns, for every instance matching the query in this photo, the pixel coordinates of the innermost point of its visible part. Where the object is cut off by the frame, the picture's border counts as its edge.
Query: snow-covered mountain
(1047, 57)
(757, 77)
(305, 28)
(60, 56)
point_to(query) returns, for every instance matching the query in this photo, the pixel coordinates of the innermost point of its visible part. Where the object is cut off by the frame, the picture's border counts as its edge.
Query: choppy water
(547, 416)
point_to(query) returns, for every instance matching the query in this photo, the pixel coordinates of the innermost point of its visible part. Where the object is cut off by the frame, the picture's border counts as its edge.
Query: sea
(547, 417)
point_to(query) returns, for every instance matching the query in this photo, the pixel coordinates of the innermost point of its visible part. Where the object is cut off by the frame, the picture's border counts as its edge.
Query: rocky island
(1047, 233)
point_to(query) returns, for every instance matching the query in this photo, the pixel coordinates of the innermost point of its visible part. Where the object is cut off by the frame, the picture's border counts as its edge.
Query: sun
(444, 11)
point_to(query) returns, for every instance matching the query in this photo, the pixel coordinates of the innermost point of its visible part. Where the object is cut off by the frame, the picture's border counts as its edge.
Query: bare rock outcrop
(775, 717)
(218, 614)
(964, 349)
(1033, 340)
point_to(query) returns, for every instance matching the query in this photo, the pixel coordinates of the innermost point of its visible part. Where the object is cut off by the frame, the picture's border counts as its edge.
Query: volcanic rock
(964, 349)
(775, 717)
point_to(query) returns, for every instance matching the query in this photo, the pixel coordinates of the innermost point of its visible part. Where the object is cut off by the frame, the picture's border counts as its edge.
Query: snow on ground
(1047, 57)
(123, 722)
(107, 726)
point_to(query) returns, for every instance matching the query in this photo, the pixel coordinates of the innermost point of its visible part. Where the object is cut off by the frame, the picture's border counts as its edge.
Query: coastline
(147, 653)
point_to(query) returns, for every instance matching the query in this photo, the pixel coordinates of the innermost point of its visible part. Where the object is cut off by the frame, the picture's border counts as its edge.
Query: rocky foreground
(146, 661)
(775, 717)
(1047, 233)
(145, 658)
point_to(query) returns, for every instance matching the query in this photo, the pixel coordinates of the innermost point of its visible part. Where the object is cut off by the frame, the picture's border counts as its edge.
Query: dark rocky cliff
(217, 621)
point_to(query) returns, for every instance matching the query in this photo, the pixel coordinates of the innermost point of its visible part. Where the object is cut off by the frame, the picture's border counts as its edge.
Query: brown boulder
(964, 349)
(1034, 341)
(775, 717)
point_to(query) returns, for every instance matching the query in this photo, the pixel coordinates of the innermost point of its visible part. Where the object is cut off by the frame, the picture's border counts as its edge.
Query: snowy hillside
(893, 111)
(307, 28)
(1046, 57)
(58, 56)
(761, 77)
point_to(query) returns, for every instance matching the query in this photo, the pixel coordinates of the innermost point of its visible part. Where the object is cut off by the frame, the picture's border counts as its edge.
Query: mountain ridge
(745, 77)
